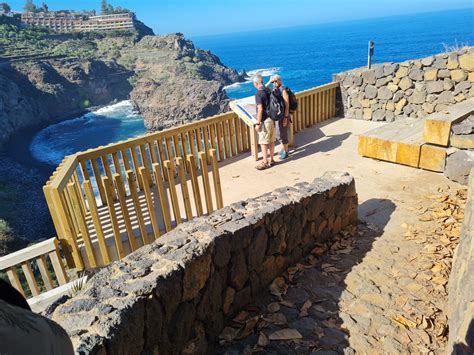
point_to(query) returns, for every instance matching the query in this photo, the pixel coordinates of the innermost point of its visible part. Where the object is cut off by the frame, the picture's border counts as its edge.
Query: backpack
(276, 106)
(293, 101)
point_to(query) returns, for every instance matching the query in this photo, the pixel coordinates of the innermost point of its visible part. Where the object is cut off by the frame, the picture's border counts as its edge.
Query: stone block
(428, 61)
(392, 87)
(384, 93)
(379, 115)
(370, 91)
(448, 84)
(440, 63)
(367, 114)
(195, 276)
(418, 97)
(428, 107)
(378, 70)
(471, 77)
(431, 74)
(453, 62)
(405, 83)
(402, 72)
(466, 62)
(434, 87)
(459, 165)
(416, 74)
(368, 76)
(446, 97)
(238, 271)
(458, 75)
(444, 73)
(462, 87)
(389, 69)
(390, 106)
(398, 96)
(401, 104)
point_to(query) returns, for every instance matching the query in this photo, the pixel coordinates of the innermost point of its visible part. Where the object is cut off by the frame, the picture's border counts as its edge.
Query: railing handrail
(316, 89)
(28, 253)
(116, 146)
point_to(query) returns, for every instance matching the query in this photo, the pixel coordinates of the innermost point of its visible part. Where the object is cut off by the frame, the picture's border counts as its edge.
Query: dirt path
(380, 288)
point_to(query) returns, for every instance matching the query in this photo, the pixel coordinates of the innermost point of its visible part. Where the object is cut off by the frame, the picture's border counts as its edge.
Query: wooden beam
(432, 158)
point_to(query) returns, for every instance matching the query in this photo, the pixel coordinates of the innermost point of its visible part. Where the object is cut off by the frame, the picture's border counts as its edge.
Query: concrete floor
(385, 190)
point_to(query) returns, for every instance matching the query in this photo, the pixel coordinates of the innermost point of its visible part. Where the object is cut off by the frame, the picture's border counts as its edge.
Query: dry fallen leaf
(401, 320)
(304, 308)
(276, 318)
(278, 287)
(263, 340)
(273, 307)
(285, 334)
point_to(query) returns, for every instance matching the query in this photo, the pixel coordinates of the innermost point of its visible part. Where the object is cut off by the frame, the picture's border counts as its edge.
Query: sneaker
(283, 154)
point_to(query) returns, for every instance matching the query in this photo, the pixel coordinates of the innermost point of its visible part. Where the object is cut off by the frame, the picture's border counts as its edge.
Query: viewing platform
(109, 201)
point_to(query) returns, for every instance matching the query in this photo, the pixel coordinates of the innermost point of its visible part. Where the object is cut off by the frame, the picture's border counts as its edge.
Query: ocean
(303, 56)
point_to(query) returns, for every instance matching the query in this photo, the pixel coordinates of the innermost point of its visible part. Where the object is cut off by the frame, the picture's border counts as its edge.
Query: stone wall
(414, 88)
(461, 285)
(176, 294)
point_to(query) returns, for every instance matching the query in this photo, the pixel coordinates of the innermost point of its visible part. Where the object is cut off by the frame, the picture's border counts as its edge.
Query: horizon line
(324, 23)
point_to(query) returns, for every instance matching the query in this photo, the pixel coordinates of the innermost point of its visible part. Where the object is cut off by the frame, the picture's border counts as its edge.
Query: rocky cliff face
(38, 92)
(177, 82)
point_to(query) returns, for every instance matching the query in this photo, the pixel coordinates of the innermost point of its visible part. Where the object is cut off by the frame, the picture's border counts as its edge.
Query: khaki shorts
(267, 134)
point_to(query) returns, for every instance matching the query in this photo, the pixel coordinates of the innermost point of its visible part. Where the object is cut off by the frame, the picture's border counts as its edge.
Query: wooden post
(104, 251)
(113, 217)
(136, 166)
(205, 182)
(69, 238)
(125, 213)
(254, 143)
(58, 265)
(149, 202)
(217, 179)
(98, 180)
(219, 141)
(138, 208)
(169, 167)
(195, 185)
(165, 212)
(81, 221)
(30, 278)
(14, 280)
(145, 163)
(45, 276)
(184, 186)
(108, 172)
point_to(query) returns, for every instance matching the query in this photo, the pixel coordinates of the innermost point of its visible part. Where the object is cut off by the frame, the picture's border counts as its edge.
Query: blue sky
(203, 17)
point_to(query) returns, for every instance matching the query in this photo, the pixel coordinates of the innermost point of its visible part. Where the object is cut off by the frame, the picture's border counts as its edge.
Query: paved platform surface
(379, 289)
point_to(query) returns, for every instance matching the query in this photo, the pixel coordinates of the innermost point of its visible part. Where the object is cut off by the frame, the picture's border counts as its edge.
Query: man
(265, 126)
(25, 332)
(284, 124)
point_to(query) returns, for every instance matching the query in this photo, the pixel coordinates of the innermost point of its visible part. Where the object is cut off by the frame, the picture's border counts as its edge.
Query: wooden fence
(44, 257)
(107, 202)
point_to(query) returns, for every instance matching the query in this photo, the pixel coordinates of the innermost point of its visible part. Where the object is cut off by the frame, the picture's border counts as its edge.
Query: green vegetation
(33, 41)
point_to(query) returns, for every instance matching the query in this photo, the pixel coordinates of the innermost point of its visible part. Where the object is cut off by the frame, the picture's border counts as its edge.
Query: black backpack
(276, 105)
(293, 101)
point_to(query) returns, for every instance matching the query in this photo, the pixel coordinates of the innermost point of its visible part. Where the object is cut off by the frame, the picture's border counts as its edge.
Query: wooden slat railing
(43, 257)
(107, 202)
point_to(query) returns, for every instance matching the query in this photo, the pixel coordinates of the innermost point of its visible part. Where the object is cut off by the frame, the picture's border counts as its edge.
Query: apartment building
(78, 22)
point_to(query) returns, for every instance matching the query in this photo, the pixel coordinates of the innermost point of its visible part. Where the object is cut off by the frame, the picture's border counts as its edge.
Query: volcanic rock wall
(176, 294)
(414, 88)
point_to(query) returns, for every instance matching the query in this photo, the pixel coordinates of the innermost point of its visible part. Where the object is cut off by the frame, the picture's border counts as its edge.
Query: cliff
(177, 82)
(168, 80)
(39, 92)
